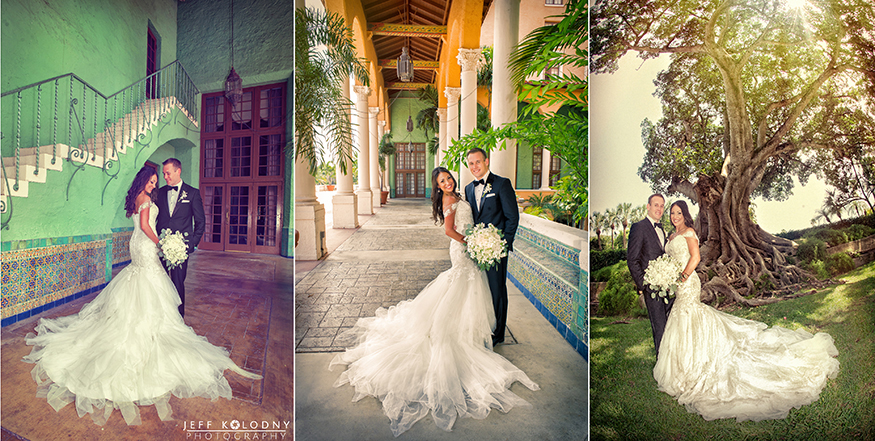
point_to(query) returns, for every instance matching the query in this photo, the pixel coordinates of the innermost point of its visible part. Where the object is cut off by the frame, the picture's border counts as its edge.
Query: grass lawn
(626, 404)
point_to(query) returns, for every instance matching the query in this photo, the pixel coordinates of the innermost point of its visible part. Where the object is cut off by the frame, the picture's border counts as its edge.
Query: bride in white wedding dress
(434, 352)
(129, 346)
(722, 366)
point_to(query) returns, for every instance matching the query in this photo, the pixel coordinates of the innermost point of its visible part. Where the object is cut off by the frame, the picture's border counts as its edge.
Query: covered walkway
(390, 258)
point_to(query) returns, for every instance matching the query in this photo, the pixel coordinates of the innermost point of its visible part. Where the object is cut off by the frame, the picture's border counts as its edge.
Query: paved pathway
(391, 258)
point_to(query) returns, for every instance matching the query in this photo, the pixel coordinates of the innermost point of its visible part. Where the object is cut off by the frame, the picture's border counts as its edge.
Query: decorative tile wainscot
(550, 264)
(39, 274)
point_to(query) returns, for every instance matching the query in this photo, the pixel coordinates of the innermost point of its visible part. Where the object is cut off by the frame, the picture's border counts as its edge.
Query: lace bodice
(464, 217)
(144, 252)
(679, 250)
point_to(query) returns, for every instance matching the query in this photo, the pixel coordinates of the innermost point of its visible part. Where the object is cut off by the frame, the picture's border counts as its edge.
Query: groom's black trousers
(497, 277)
(177, 276)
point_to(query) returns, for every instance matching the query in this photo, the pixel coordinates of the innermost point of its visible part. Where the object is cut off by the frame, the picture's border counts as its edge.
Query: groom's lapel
(469, 193)
(489, 181)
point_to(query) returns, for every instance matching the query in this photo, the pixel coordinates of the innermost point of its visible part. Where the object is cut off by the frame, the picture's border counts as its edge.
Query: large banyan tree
(756, 92)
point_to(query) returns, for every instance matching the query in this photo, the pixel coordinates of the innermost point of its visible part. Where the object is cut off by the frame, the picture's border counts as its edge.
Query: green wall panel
(263, 41)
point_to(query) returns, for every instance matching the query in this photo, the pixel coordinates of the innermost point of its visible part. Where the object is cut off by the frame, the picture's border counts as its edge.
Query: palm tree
(611, 221)
(427, 119)
(597, 221)
(624, 212)
(324, 57)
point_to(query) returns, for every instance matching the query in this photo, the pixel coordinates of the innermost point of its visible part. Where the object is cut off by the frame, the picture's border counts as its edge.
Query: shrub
(858, 231)
(828, 235)
(810, 250)
(599, 259)
(818, 267)
(620, 295)
(839, 263)
(604, 274)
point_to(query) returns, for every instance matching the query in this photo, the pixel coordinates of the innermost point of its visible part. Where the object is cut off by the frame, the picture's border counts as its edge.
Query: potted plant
(387, 149)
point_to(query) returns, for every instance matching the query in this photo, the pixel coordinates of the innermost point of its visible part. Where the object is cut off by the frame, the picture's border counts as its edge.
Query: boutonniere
(183, 195)
(487, 188)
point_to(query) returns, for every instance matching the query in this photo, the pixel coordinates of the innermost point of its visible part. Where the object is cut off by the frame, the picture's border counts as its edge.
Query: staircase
(94, 129)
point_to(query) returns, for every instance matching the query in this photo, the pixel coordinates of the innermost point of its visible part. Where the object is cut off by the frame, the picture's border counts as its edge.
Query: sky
(619, 102)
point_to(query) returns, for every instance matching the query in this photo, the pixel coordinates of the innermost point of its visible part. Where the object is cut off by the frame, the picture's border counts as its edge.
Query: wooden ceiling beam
(402, 30)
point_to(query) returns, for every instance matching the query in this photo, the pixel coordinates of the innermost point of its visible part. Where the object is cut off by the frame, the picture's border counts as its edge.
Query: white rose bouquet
(172, 248)
(486, 245)
(662, 276)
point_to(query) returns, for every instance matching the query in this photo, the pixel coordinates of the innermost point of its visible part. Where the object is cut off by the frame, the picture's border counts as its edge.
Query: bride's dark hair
(688, 220)
(437, 195)
(137, 186)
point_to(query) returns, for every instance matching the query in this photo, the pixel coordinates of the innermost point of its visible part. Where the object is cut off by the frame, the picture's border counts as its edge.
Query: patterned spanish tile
(570, 254)
(36, 276)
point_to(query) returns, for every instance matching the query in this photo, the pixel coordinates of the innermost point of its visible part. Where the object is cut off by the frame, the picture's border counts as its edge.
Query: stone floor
(240, 301)
(390, 258)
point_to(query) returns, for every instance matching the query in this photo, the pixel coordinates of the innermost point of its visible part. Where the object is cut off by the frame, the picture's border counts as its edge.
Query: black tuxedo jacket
(643, 247)
(498, 207)
(188, 217)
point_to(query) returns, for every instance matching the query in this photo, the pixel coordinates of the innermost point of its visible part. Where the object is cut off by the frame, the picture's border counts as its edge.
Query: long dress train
(722, 366)
(128, 347)
(434, 352)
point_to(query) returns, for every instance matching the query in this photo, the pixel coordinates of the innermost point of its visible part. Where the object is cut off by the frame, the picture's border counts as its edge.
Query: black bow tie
(478, 182)
(174, 187)
(657, 225)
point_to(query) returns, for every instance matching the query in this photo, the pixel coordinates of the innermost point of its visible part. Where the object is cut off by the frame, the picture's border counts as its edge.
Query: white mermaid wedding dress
(128, 347)
(434, 352)
(722, 366)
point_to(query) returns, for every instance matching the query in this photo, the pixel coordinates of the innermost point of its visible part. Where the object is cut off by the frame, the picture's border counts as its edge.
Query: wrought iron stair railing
(65, 119)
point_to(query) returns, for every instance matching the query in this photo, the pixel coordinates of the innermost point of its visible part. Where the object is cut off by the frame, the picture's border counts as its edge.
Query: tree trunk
(740, 261)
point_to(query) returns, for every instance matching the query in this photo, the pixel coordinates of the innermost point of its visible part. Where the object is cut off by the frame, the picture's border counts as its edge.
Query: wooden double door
(410, 180)
(242, 170)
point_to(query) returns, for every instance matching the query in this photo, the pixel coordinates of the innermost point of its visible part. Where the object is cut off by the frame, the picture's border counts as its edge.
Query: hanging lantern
(233, 88)
(233, 84)
(405, 66)
(409, 123)
(410, 146)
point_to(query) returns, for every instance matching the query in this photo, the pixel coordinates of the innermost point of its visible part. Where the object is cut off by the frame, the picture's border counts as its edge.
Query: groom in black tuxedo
(180, 209)
(646, 243)
(493, 201)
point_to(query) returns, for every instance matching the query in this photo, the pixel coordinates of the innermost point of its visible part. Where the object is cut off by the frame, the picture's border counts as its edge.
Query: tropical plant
(386, 149)
(324, 57)
(427, 119)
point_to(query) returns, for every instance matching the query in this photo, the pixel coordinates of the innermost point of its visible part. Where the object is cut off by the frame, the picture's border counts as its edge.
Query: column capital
(453, 94)
(442, 113)
(373, 111)
(381, 123)
(362, 92)
(468, 58)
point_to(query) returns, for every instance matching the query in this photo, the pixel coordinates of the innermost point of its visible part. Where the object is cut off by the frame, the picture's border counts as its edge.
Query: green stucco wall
(263, 41)
(101, 41)
(524, 165)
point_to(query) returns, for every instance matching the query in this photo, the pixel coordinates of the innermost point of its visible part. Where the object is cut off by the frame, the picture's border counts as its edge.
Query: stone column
(452, 94)
(545, 169)
(468, 59)
(442, 135)
(374, 156)
(381, 130)
(344, 204)
(504, 98)
(309, 215)
(363, 194)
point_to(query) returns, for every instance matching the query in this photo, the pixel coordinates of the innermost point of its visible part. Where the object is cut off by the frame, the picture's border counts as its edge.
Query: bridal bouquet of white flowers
(662, 276)
(486, 245)
(172, 247)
